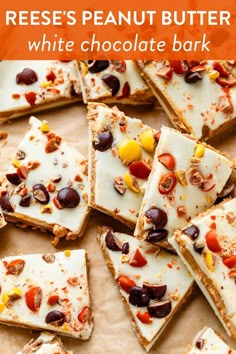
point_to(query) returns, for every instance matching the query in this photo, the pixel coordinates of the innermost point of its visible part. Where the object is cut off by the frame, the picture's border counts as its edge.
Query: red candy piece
(126, 283)
(178, 66)
(167, 183)
(15, 267)
(165, 72)
(168, 161)
(85, 315)
(137, 260)
(220, 68)
(53, 299)
(230, 262)
(212, 242)
(139, 169)
(33, 298)
(30, 98)
(22, 171)
(226, 81)
(144, 317)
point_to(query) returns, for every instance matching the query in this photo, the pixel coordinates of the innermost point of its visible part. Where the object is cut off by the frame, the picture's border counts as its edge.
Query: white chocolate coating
(106, 166)
(161, 268)
(208, 342)
(65, 276)
(65, 162)
(66, 82)
(193, 198)
(94, 88)
(197, 103)
(46, 343)
(219, 283)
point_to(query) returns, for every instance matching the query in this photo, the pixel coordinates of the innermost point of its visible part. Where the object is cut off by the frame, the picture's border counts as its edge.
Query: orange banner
(138, 29)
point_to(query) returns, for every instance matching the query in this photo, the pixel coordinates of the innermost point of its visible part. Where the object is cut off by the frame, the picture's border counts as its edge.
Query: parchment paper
(112, 332)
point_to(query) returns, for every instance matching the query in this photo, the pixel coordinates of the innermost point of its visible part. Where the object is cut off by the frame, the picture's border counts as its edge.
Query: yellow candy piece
(213, 75)
(44, 127)
(5, 298)
(2, 307)
(15, 291)
(15, 163)
(67, 253)
(84, 68)
(209, 261)
(45, 84)
(130, 183)
(129, 151)
(199, 150)
(66, 327)
(148, 140)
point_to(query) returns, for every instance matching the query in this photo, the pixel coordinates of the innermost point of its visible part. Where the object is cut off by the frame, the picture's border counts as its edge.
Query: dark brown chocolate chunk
(155, 236)
(205, 131)
(26, 77)
(157, 216)
(139, 296)
(5, 203)
(13, 178)
(192, 77)
(112, 82)
(160, 309)
(103, 141)
(156, 291)
(40, 193)
(200, 343)
(111, 242)
(68, 197)
(198, 247)
(192, 231)
(96, 66)
(119, 185)
(125, 248)
(227, 191)
(55, 318)
(25, 200)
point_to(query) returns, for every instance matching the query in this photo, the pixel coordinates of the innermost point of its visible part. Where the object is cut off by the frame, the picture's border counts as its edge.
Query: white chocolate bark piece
(121, 151)
(46, 343)
(47, 185)
(28, 86)
(199, 97)
(113, 81)
(47, 292)
(208, 342)
(207, 246)
(186, 178)
(136, 265)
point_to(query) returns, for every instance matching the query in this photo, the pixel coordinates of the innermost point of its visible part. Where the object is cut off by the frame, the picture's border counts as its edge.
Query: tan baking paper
(112, 332)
